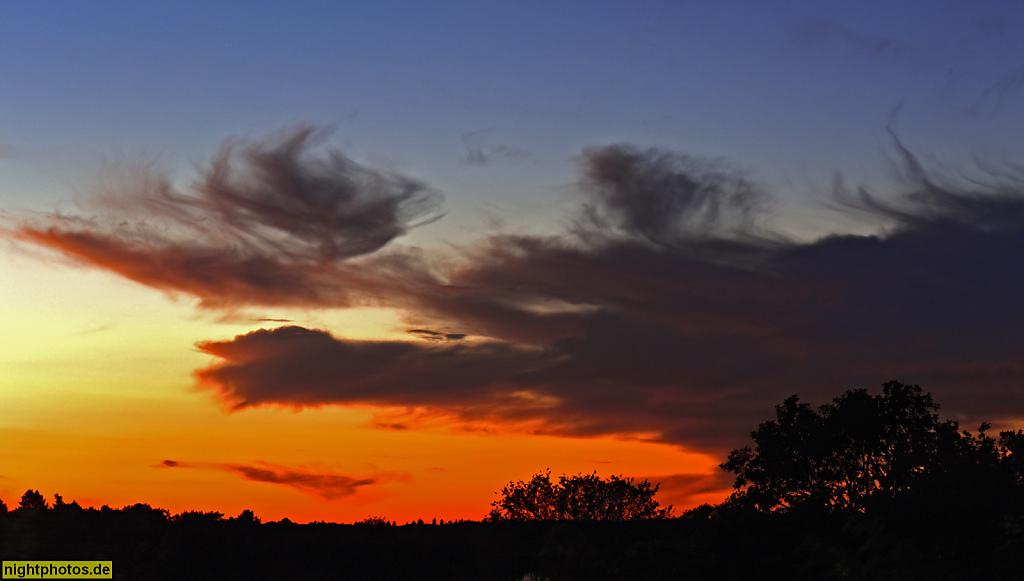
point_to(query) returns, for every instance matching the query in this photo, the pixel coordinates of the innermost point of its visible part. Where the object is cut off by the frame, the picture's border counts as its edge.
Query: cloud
(816, 30)
(327, 486)
(664, 196)
(1008, 86)
(305, 367)
(684, 490)
(480, 153)
(661, 317)
(429, 335)
(668, 312)
(266, 223)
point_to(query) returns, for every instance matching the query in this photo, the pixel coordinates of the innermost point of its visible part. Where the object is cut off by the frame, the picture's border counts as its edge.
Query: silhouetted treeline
(918, 542)
(866, 487)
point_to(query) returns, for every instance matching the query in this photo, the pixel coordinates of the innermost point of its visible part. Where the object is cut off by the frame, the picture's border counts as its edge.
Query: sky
(331, 260)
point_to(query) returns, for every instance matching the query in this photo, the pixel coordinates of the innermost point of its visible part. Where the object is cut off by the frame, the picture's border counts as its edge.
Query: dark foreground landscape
(866, 487)
(915, 543)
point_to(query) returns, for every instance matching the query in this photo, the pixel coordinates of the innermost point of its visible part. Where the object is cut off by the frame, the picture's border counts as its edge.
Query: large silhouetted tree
(580, 497)
(865, 449)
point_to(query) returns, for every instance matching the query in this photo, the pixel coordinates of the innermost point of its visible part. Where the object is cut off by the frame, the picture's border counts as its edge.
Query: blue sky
(790, 91)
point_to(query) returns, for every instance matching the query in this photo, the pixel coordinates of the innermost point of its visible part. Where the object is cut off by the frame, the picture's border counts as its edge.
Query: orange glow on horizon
(419, 475)
(98, 391)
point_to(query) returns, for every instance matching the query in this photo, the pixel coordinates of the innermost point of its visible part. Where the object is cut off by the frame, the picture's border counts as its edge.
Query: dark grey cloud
(276, 222)
(255, 368)
(662, 319)
(668, 312)
(666, 197)
(429, 335)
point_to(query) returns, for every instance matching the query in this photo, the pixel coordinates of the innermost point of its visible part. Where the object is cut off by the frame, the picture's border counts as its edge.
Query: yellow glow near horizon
(96, 389)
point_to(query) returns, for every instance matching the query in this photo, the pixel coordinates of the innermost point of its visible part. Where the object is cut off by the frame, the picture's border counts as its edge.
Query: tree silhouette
(32, 500)
(247, 517)
(580, 497)
(865, 449)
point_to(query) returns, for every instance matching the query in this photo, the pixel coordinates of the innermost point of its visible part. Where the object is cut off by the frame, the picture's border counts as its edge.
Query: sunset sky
(328, 260)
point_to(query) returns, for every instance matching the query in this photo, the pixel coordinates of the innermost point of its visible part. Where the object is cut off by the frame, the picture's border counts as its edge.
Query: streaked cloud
(326, 485)
(817, 30)
(276, 222)
(479, 152)
(329, 486)
(683, 490)
(429, 335)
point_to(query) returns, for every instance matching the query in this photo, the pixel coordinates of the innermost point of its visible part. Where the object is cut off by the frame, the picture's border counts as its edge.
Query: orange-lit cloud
(690, 489)
(270, 223)
(669, 309)
(327, 486)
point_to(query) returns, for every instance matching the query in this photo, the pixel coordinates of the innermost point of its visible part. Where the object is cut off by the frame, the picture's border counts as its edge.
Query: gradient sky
(333, 260)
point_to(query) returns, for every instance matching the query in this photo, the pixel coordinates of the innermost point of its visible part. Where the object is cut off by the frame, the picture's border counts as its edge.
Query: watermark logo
(58, 570)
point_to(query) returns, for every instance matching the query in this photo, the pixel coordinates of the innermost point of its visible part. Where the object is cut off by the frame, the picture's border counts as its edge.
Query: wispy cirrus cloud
(479, 152)
(818, 29)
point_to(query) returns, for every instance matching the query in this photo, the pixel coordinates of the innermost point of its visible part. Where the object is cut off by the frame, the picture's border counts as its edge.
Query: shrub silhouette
(580, 497)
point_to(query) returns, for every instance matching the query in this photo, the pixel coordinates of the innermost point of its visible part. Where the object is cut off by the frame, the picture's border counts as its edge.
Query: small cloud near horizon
(681, 490)
(327, 486)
